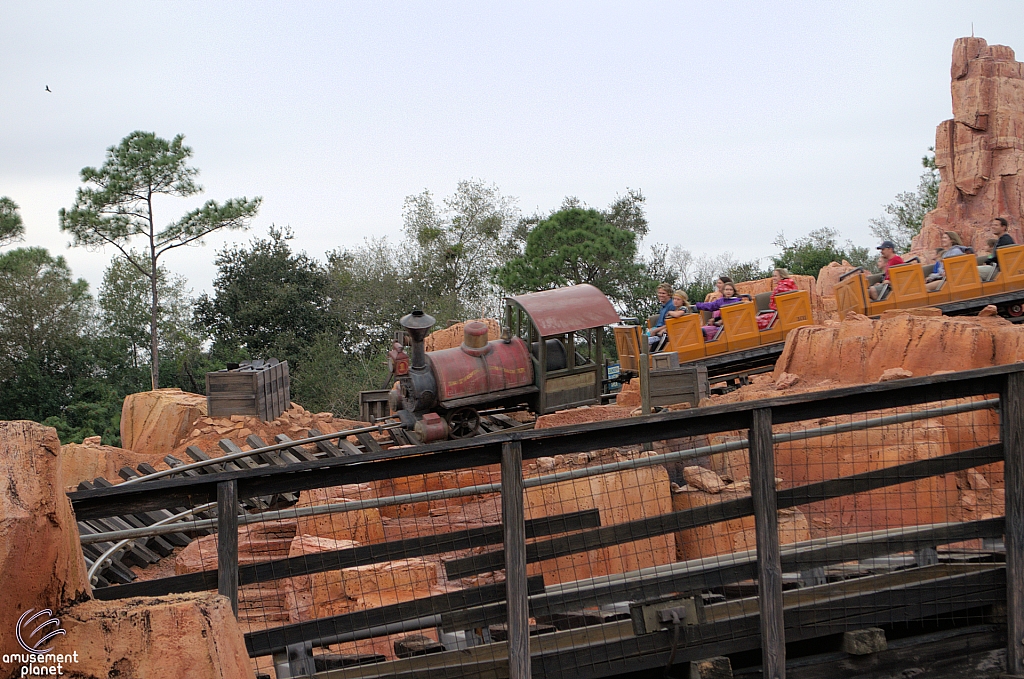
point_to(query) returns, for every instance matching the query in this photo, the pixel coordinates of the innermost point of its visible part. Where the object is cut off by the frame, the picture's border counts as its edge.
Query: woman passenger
(728, 297)
(951, 247)
(782, 281)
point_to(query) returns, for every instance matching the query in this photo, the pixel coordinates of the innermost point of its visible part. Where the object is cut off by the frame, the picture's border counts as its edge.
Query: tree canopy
(116, 208)
(807, 255)
(12, 228)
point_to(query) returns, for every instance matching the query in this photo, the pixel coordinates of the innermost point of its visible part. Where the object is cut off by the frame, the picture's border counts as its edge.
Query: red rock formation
(451, 337)
(40, 558)
(154, 422)
(90, 459)
(828, 277)
(980, 152)
(622, 496)
(583, 415)
(180, 635)
(859, 350)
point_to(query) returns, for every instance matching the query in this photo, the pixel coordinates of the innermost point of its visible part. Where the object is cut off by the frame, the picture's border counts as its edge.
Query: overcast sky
(737, 120)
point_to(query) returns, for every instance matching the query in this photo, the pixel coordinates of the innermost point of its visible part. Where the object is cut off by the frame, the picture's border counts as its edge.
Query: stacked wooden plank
(259, 388)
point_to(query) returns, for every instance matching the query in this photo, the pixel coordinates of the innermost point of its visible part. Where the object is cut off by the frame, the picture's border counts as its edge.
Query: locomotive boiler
(548, 358)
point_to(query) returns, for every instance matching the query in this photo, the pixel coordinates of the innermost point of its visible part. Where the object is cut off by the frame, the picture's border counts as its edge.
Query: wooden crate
(677, 385)
(373, 404)
(255, 388)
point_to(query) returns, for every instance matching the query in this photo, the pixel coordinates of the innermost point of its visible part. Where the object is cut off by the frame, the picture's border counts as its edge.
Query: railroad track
(146, 551)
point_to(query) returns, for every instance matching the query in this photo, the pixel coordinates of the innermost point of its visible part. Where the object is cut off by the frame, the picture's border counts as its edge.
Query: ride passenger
(717, 292)
(728, 297)
(951, 247)
(999, 226)
(887, 258)
(782, 281)
(657, 337)
(680, 304)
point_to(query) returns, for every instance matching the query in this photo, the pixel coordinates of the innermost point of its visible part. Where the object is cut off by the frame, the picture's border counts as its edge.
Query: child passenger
(728, 297)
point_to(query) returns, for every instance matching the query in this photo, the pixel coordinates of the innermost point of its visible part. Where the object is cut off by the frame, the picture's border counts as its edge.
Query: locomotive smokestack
(417, 324)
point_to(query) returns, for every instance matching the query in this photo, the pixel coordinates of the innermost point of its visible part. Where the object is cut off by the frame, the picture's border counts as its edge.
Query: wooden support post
(1011, 420)
(644, 368)
(513, 519)
(227, 541)
(769, 564)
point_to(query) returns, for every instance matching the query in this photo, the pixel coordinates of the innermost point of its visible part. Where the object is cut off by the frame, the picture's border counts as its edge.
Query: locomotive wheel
(463, 422)
(1015, 310)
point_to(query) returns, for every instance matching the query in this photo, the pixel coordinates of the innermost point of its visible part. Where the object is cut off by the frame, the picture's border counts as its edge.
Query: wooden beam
(227, 542)
(723, 511)
(1011, 422)
(714, 572)
(363, 555)
(320, 630)
(769, 562)
(512, 517)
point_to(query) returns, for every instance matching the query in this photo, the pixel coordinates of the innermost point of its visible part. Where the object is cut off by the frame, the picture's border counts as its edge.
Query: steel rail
(257, 451)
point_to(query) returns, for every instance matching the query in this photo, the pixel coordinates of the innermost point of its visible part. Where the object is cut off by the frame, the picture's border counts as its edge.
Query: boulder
(629, 396)
(451, 337)
(583, 415)
(703, 479)
(362, 525)
(979, 152)
(828, 277)
(40, 557)
(859, 350)
(154, 422)
(90, 459)
(626, 495)
(180, 635)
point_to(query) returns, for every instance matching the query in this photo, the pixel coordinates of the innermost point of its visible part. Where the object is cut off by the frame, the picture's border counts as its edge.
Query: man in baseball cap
(887, 259)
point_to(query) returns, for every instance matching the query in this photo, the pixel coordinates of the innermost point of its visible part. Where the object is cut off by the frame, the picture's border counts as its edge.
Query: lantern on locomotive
(548, 359)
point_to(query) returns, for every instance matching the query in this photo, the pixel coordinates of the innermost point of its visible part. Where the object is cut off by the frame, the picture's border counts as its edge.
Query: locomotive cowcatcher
(548, 358)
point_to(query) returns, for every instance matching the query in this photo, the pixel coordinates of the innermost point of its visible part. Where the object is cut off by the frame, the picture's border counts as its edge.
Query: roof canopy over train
(563, 310)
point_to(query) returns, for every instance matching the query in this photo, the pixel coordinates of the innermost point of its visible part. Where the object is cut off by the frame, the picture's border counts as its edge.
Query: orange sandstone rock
(583, 415)
(622, 496)
(451, 336)
(90, 459)
(154, 422)
(859, 350)
(828, 277)
(40, 557)
(179, 635)
(980, 152)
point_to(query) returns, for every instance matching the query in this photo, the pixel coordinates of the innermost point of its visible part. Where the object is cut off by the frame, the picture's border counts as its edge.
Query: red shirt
(893, 261)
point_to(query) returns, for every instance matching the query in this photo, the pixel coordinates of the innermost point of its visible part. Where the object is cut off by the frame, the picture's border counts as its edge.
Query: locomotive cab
(549, 358)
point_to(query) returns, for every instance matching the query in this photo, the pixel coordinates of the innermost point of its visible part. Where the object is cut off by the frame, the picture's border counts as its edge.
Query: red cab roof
(563, 310)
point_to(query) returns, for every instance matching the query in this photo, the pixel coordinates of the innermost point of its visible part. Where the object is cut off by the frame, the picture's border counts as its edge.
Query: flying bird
(48, 89)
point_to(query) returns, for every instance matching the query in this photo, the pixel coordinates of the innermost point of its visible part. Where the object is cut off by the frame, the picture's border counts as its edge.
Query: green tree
(904, 217)
(574, 246)
(45, 316)
(807, 255)
(456, 244)
(116, 208)
(12, 229)
(268, 301)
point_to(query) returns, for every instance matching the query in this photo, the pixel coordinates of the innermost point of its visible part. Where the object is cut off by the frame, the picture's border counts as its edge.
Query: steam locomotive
(548, 358)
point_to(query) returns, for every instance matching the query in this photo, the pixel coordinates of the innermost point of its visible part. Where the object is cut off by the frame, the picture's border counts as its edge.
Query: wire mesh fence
(646, 543)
